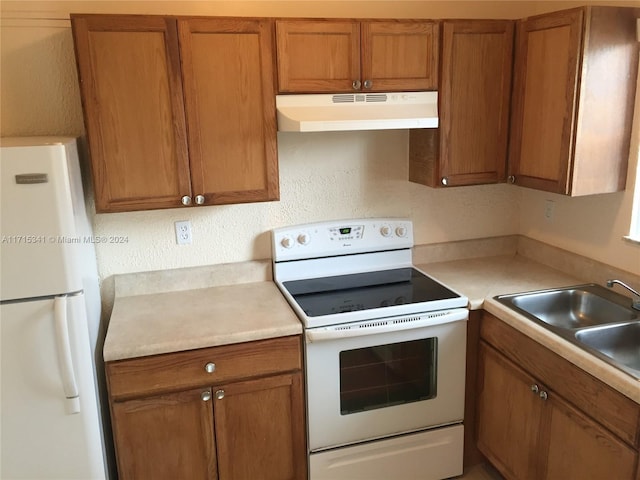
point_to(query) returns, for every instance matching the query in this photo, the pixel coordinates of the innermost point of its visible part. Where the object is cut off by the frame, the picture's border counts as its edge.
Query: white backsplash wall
(323, 176)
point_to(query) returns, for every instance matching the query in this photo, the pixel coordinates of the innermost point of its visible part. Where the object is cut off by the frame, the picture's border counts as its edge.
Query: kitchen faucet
(636, 299)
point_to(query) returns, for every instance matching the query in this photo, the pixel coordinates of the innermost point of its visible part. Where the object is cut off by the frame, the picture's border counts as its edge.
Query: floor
(480, 472)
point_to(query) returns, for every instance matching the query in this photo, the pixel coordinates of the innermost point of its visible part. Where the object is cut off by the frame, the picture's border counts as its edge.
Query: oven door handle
(385, 325)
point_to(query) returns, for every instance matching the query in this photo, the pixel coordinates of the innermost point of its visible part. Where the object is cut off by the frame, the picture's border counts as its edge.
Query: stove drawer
(203, 367)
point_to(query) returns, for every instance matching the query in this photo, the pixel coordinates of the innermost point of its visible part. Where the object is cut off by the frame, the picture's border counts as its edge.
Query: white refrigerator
(50, 424)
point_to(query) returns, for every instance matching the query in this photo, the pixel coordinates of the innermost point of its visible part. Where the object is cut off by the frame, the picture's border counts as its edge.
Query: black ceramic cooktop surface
(364, 291)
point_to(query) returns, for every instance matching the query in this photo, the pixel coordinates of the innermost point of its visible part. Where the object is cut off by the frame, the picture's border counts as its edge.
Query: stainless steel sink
(620, 343)
(573, 307)
(589, 316)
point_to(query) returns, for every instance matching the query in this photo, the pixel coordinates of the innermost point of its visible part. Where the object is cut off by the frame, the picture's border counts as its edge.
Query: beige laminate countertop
(167, 322)
(149, 324)
(480, 279)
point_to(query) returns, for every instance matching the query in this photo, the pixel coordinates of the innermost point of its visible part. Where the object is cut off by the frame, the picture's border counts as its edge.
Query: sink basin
(573, 307)
(590, 317)
(618, 342)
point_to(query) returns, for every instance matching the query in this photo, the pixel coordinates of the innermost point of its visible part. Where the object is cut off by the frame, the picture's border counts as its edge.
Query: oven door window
(387, 375)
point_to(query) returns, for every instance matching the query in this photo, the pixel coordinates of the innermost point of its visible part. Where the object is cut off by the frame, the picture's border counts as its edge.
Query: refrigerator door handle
(63, 349)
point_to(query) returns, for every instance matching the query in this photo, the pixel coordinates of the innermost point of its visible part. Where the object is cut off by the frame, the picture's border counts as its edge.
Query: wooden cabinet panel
(546, 73)
(230, 106)
(573, 98)
(165, 437)
(508, 415)
(181, 370)
(549, 436)
(399, 56)
(132, 100)
(470, 147)
(616, 412)
(579, 448)
(155, 144)
(329, 56)
(251, 425)
(260, 430)
(318, 56)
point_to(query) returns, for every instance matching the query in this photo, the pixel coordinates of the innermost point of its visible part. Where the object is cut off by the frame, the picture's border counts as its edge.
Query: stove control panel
(341, 237)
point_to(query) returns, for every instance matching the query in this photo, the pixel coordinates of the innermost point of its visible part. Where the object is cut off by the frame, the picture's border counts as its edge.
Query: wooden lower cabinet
(165, 436)
(232, 430)
(528, 430)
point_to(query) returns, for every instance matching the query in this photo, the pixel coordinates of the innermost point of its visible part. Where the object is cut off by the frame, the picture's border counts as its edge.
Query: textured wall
(323, 176)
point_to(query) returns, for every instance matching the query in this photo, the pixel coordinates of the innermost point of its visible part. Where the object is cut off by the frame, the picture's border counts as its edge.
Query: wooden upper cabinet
(129, 70)
(227, 67)
(178, 111)
(328, 56)
(399, 56)
(573, 100)
(470, 146)
(318, 56)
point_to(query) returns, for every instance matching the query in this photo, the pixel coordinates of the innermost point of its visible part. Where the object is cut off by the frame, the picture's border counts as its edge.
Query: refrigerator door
(40, 437)
(40, 241)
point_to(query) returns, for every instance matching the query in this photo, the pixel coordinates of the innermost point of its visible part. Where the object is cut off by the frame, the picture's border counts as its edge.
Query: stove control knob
(401, 231)
(385, 230)
(287, 242)
(304, 239)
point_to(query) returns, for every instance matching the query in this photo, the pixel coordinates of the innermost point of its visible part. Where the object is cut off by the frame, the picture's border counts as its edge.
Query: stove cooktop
(364, 291)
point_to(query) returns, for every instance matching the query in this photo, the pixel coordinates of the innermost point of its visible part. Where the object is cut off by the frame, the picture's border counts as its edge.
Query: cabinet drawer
(182, 370)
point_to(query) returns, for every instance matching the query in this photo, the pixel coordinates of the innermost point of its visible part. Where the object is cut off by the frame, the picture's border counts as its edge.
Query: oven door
(378, 378)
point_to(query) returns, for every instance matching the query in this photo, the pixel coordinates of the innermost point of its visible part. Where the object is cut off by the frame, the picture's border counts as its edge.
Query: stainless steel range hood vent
(357, 111)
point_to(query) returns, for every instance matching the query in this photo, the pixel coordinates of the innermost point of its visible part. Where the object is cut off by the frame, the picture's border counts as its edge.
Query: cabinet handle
(210, 367)
(511, 179)
(199, 199)
(544, 395)
(445, 181)
(535, 388)
(356, 84)
(220, 394)
(368, 84)
(186, 200)
(206, 395)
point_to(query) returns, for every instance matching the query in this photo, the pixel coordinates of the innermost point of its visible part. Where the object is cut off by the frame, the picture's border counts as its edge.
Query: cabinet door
(508, 415)
(165, 437)
(578, 448)
(547, 59)
(470, 147)
(228, 78)
(316, 56)
(399, 56)
(129, 70)
(260, 429)
(474, 101)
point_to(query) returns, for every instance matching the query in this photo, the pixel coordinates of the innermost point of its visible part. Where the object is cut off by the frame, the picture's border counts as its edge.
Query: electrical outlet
(549, 207)
(183, 232)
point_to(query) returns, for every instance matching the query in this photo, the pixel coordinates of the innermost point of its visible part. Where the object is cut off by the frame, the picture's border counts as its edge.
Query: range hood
(357, 111)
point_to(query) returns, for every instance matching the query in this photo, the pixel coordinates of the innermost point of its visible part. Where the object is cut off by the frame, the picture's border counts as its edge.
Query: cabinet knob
(199, 199)
(205, 396)
(356, 84)
(220, 394)
(511, 179)
(368, 83)
(210, 367)
(543, 395)
(535, 388)
(186, 200)
(445, 181)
